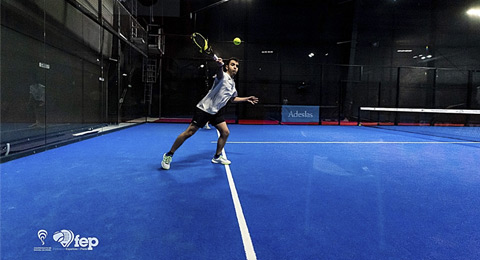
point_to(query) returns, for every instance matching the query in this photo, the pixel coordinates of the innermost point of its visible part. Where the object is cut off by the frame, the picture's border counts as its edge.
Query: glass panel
(52, 88)
(73, 53)
(23, 81)
(107, 11)
(133, 92)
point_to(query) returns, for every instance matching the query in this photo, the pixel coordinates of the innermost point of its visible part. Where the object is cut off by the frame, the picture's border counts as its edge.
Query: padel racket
(203, 46)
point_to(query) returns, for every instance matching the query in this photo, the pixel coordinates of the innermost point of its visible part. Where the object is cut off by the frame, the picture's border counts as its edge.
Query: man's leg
(222, 140)
(167, 158)
(191, 130)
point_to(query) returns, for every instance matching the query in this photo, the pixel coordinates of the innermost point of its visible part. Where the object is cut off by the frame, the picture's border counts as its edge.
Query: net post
(397, 98)
(434, 88)
(358, 118)
(379, 100)
(340, 102)
(320, 97)
(469, 94)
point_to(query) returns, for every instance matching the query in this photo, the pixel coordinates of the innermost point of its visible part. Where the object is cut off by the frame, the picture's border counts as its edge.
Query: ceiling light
(474, 12)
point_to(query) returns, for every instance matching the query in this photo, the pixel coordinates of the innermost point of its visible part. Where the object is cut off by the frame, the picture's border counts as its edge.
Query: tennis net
(457, 124)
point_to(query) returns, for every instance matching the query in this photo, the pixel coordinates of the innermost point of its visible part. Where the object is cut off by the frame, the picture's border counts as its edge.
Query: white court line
(242, 223)
(361, 142)
(424, 110)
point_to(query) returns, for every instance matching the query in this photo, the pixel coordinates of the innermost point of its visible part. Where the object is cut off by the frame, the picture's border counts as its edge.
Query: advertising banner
(300, 114)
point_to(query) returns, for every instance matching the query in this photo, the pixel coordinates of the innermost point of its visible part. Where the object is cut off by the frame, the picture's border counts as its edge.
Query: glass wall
(65, 71)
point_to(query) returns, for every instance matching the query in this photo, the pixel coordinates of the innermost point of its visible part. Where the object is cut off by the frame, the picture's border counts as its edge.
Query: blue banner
(300, 114)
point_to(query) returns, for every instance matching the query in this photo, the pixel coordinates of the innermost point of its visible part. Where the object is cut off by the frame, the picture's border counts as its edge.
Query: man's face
(232, 68)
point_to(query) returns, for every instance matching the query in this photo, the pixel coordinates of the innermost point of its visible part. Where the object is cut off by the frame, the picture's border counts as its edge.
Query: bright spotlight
(311, 55)
(474, 12)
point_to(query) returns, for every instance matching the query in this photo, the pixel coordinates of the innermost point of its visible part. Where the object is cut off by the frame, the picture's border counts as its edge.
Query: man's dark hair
(229, 60)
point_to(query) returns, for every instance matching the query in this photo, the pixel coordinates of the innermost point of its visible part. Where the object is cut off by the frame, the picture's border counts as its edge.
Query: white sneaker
(166, 161)
(221, 160)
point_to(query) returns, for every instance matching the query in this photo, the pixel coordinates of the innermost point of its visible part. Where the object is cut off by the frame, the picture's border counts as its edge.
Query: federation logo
(42, 234)
(64, 237)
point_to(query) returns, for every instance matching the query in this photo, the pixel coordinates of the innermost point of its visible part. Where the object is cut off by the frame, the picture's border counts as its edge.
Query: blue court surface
(291, 192)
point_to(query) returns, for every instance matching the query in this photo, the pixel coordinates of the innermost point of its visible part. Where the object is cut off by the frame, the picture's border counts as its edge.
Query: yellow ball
(237, 41)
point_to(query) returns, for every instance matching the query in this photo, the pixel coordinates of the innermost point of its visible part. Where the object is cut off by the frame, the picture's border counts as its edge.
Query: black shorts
(200, 118)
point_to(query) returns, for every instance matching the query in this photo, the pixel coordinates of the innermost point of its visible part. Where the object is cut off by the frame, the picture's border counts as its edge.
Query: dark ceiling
(329, 25)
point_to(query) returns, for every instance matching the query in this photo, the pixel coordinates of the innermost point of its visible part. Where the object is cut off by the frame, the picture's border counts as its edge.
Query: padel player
(211, 109)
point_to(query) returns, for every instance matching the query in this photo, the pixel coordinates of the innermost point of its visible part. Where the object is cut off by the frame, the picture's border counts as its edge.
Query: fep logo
(66, 237)
(85, 242)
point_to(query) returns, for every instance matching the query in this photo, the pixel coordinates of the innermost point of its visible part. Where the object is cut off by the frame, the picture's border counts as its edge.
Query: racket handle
(215, 57)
